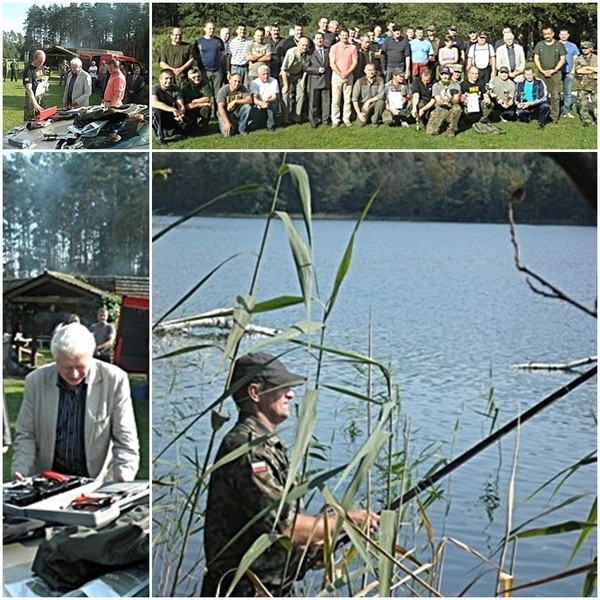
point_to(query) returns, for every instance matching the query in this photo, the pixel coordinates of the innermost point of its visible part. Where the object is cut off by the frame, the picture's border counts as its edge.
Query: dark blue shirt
(69, 448)
(209, 53)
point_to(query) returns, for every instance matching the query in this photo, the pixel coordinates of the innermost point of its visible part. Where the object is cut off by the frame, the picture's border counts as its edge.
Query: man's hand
(18, 477)
(361, 518)
(231, 106)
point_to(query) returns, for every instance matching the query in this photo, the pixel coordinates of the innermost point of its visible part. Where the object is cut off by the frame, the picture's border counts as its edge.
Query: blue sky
(14, 13)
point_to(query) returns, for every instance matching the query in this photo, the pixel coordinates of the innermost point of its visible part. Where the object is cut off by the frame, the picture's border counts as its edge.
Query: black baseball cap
(261, 367)
(503, 70)
(445, 71)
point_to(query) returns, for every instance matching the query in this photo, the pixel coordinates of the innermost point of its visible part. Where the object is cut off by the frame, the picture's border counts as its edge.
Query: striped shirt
(69, 448)
(238, 48)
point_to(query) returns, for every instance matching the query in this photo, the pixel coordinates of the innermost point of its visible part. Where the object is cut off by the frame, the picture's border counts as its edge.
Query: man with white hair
(78, 88)
(76, 417)
(265, 96)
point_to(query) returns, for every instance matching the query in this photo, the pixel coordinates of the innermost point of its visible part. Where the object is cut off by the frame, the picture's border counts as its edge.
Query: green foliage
(416, 186)
(118, 26)
(65, 214)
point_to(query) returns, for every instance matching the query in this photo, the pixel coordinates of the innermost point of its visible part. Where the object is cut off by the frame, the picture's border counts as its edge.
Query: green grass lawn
(13, 391)
(13, 96)
(568, 134)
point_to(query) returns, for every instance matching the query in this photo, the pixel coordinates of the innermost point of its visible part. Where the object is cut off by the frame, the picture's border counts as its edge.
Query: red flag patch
(259, 467)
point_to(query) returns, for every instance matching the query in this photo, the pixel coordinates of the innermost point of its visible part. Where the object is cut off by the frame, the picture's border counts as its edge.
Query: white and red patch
(259, 467)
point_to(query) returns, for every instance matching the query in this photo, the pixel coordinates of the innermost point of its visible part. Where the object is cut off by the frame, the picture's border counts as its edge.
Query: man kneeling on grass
(265, 96)
(233, 106)
(168, 110)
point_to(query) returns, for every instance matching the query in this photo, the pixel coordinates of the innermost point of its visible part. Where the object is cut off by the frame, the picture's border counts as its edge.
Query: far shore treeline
(461, 187)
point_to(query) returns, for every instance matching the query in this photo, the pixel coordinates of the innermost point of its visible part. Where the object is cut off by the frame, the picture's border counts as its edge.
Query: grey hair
(76, 61)
(263, 68)
(73, 339)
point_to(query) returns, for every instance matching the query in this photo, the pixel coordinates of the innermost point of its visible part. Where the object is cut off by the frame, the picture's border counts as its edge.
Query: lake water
(450, 315)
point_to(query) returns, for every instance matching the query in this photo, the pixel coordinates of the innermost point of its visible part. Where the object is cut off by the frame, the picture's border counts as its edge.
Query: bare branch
(548, 290)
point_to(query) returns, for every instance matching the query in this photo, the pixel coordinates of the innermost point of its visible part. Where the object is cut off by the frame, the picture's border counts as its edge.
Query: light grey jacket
(82, 90)
(111, 441)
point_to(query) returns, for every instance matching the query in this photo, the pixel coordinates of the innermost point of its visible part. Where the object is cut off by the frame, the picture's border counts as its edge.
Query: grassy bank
(13, 96)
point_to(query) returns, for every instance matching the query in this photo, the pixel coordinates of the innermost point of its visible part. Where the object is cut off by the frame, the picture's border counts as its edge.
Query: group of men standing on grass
(338, 77)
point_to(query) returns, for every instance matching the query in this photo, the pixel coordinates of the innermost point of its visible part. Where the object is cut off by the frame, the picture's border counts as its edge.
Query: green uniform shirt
(589, 83)
(549, 53)
(237, 492)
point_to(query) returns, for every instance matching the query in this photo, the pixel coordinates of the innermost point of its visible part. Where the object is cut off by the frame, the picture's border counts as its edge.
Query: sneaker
(334, 125)
(541, 126)
(451, 133)
(404, 124)
(567, 115)
(347, 124)
(585, 123)
(243, 133)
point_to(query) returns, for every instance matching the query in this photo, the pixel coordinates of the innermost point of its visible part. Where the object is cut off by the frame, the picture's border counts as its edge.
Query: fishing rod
(483, 444)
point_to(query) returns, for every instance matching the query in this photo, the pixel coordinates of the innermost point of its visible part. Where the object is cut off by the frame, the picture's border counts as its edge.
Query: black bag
(75, 555)
(15, 529)
(111, 115)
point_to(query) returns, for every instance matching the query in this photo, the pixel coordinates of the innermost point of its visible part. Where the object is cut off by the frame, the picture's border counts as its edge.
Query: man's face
(275, 404)
(397, 79)
(472, 75)
(528, 75)
(39, 60)
(481, 40)
(176, 36)
(323, 23)
(410, 33)
(319, 40)
(209, 30)
(377, 31)
(303, 45)
(275, 33)
(73, 369)
(445, 77)
(298, 31)
(365, 42)
(241, 31)
(75, 68)
(112, 69)
(473, 36)
(419, 34)
(564, 35)
(455, 76)
(344, 37)
(259, 36)
(102, 315)
(370, 71)
(509, 38)
(165, 80)
(431, 33)
(397, 34)
(264, 76)
(586, 51)
(195, 78)
(503, 75)
(235, 81)
(426, 78)
(548, 34)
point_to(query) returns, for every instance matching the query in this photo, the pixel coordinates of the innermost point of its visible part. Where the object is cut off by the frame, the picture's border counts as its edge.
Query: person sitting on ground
(196, 97)
(447, 105)
(168, 111)
(502, 95)
(397, 98)
(76, 417)
(423, 100)
(476, 102)
(367, 97)
(265, 96)
(532, 99)
(234, 103)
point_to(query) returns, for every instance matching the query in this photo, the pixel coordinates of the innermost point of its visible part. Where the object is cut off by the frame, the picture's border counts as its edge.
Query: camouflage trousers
(442, 115)
(585, 99)
(29, 113)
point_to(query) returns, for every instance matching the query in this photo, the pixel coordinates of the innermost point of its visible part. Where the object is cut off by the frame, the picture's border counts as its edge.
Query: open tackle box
(71, 500)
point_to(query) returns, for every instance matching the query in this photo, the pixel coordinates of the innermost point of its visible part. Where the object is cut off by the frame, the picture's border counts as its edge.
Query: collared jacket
(82, 89)
(540, 92)
(111, 442)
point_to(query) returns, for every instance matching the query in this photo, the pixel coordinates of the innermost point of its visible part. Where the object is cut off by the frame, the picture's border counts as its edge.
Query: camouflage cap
(262, 367)
(587, 44)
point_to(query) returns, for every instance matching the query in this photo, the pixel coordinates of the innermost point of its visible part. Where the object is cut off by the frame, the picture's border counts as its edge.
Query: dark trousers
(539, 111)
(164, 123)
(319, 105)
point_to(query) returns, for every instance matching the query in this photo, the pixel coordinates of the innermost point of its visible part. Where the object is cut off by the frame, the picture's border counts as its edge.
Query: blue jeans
(238, 117)
(240, 70)
(567, 96)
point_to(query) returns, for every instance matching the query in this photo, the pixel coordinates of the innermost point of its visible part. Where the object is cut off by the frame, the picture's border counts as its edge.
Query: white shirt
(264, 90)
